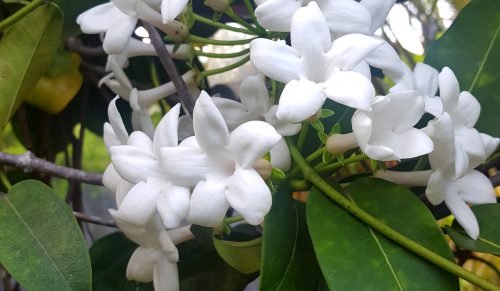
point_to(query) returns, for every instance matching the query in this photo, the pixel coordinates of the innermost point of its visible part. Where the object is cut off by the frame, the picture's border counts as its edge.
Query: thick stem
(313, 177)
(28, 162)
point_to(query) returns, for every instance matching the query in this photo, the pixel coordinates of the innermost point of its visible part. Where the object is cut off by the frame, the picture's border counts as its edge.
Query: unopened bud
(264, 168)
(217, 5)
(337, 144)
(176, 30)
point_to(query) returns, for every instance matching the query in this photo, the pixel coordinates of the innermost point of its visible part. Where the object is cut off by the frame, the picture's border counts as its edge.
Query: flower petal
(209, 127)
(436, 188)
(166, 131)
(248, 194)
(475, 188)
(139, 206)
(309, 27)
(170, 9)
(166, 275)
(351, 89)
(97, 19)
(186, 166)
(349, 50)
(276, 60)
(463, 214)
(208, 203)
(173, 205)
(490, 143)
(386, 58)
(134, 164)
(282, 127)
(280, 156)
(467, 111)
(276, 15)
(141, 265)
(111, 179)
(426, 79)
(408, 144)
(254, 94)
(300, 100)
(118, 35)
(116, 122)
(346, 17)
(449, 89)
(250, 141)
(379, 9)
(233, 112)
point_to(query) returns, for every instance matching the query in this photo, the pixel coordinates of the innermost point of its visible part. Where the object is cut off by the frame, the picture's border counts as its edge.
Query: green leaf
(352, 256)
(323, 137)
(243, 256)
(470, 47)
(288, 261)
(489, 237)
(325, 113)
(41, 244)
(277, 174)
(26, 52)
(318, 125)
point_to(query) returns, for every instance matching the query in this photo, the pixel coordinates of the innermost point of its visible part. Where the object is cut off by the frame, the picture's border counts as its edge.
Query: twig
(169, 66)
(30, 163)
(76, 45)
(93, 219)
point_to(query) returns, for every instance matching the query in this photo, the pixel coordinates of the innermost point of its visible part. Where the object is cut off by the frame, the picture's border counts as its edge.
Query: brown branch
(76, 45)
(93, 219)
(169, 66)
(30, 163)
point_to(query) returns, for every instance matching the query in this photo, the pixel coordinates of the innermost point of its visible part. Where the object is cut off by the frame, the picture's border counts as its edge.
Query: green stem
(338, 165)
(303, 134)
(20, 14)
(251, 11)
(204, 40)
(229, 12)
(313, 177)
(226, 68)
(233, 219)
(221, 56)
(210, 22)
(310, 158)
(5, 179)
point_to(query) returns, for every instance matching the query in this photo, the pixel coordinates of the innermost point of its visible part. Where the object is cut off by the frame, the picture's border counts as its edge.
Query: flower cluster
(192, 169)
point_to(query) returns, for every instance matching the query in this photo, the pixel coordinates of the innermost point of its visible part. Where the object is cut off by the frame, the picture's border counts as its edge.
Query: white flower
(255, 106)
(313, 73)
(156, 257)
(219, 165)
(343, 17)
(138, 163)
(424, 79)
(386, 133)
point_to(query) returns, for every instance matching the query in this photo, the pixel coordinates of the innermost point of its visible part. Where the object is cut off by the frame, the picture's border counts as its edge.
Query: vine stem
(221, 56)
(312, 176)
(21, 13)
(338, 165)
(226, 68)
(204, 40)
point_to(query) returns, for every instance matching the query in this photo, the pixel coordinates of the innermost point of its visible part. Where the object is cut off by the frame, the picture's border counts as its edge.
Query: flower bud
(264, 168)
(217, 5)
(337, 144)
(177, 31)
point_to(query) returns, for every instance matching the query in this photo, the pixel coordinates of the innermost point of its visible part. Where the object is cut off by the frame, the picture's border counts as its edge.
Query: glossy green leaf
(26, 51)
(288, 261)
(243, 256)
(352, 256)
(489, 235)
(471, 48)
(41, 244)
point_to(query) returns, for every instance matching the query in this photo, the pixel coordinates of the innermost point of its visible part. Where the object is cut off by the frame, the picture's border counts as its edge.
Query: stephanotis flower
(138, 163)
(451, 178)
(314, 68)
(117, 20)
(156, 257)
(255, 106)
(386, 133)
(219, 165)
